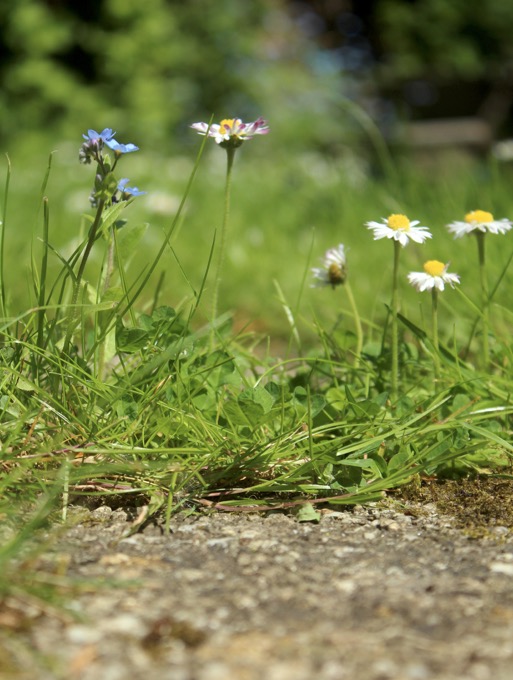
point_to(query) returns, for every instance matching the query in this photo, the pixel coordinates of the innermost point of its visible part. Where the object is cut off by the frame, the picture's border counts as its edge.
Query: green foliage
(447, 40)
(153, 65)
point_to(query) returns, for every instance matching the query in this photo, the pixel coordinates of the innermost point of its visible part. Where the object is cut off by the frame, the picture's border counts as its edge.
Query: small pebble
(83, 635)
(502, 568)
(102, 513)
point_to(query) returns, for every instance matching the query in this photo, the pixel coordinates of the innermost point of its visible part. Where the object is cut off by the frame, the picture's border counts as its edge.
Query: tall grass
(111, 386)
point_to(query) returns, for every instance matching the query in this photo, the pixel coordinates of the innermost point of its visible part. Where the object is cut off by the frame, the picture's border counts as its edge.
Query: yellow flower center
(398, 222)
(480, 216)
(226, 125)
(434, 268)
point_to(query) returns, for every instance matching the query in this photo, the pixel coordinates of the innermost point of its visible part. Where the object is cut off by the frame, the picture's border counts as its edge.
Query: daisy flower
(399, 228)
(479, 221)
(232, 132)
(333, 271)
(434, 276)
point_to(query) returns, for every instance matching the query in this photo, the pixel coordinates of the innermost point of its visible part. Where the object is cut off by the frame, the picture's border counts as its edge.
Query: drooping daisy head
(399, 228)
(232, 132)
(435, 275)
(479, 221)
(333, 270)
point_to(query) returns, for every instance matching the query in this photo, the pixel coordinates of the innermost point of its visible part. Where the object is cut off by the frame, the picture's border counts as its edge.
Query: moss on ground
(478, 505)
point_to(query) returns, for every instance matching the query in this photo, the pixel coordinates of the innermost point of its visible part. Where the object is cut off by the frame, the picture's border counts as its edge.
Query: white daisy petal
(374, 225)
(203, 127)
(402, 238)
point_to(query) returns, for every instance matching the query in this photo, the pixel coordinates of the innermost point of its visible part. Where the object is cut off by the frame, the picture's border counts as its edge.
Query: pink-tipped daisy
(232, 131)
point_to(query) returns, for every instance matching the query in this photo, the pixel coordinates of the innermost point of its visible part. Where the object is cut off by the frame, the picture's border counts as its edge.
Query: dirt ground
(417, 588)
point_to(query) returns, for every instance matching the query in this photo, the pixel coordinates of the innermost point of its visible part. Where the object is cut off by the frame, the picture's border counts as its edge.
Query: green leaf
(461, 402)
(359, 462)
(307, 513)
(404, 406)
(205, 401)
(127, 241)
(104, 190)
(366, 407)
(372, 350)
(163, 313)
(130, 340)
(252, 407)
(258, 396)
(222, 370)
(110, 215)
(126, 408)
(337, 398)
(313, 403)
(436, 454)
(160, 317)
(6, 406)
(109, 345)
(399, 461)
(279, 392)
(112, 294)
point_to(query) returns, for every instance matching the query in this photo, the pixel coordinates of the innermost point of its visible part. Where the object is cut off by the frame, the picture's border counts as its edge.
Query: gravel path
(393, 592)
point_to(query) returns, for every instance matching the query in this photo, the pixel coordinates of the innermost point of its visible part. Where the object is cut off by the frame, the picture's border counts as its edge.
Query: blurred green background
(346, 87)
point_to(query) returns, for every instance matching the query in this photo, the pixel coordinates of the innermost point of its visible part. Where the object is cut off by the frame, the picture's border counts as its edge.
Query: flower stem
(3, 306)
(230, 155)
(484, 296)
(109, 268)
(395, 332)
(78, 281)
(434, 318)
(357, 323)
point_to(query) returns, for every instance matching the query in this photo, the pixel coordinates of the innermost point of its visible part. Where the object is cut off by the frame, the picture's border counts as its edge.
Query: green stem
(109, 268)
(3, 308)
(78, 281)
(395, 332)
(41, 312)
(357, 323)
(484, 296)
(434, 318)
(230, 155)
